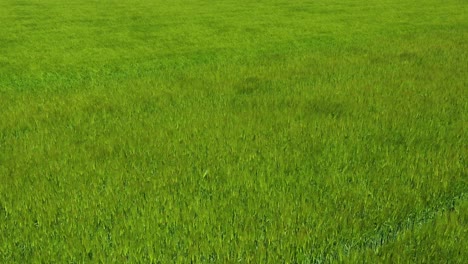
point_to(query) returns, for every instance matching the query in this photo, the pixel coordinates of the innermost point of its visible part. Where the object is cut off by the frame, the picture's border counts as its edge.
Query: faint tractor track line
(389, 233)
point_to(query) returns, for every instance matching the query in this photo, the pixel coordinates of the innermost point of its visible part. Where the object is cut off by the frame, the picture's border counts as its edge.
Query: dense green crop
(272, 131)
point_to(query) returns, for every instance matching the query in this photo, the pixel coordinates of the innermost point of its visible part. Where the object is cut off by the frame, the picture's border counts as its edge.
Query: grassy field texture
(271, 131)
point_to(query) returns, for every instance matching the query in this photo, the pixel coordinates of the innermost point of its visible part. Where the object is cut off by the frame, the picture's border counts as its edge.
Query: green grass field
(270, 131)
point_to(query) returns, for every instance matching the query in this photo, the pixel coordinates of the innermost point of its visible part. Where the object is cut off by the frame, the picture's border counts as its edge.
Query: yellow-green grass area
(233, 131)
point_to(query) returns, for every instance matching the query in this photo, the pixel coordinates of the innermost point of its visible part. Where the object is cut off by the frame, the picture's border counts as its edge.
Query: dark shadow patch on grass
(325, 107)
(407, 55)
(251, 85)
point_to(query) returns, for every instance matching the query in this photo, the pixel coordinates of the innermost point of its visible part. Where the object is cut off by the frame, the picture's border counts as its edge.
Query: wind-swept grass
(233, 131)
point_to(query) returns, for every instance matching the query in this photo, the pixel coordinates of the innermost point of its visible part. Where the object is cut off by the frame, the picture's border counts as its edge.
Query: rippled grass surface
(233, 131)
